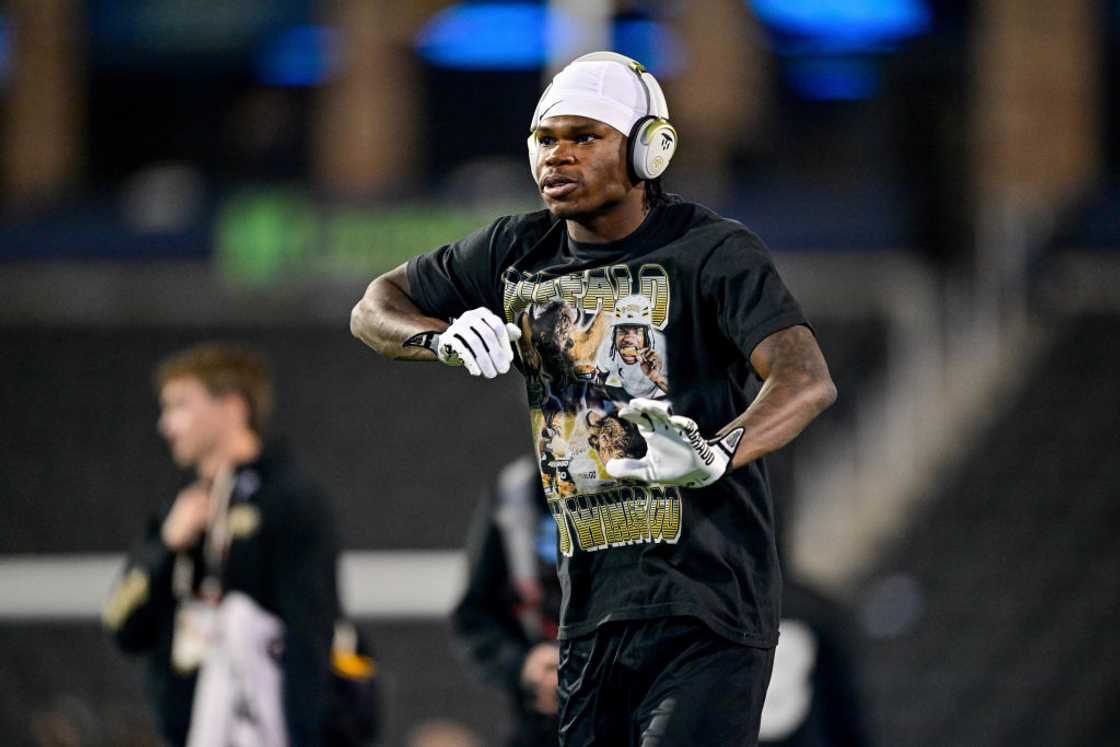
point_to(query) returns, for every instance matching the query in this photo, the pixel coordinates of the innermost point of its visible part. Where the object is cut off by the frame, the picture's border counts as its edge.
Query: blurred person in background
(231, 591)
(668, 559)
(68, 721)
(442, 733)
(505, 624)
(813, 700)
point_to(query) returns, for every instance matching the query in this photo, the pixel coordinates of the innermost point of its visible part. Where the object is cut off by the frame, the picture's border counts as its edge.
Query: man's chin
(579, 210)
(182, 459)
(565, 210)
(571, 208)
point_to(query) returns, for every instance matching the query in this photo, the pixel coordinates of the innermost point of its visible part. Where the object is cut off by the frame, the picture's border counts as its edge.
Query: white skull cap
(604, 90)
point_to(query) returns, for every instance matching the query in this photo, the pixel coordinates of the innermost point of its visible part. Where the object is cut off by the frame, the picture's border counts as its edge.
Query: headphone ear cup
(652, 145)
(531, 142)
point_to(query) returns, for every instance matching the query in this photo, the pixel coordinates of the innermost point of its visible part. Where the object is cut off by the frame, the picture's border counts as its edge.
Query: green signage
(265, 237)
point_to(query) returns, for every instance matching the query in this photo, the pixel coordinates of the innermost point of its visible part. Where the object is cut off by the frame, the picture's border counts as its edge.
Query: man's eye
(584, 138)
(545, 140)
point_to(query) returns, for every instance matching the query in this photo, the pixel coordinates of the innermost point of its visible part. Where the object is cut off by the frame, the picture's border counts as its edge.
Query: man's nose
(561, 152)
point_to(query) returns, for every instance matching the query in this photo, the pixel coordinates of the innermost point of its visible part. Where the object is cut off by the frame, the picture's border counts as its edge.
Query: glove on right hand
(480, 342)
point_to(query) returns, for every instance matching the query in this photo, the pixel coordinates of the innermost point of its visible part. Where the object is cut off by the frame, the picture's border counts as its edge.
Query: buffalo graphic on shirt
(590, 342)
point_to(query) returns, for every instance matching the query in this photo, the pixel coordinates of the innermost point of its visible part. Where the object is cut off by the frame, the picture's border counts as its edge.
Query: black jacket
(494, 628)
(283, 554)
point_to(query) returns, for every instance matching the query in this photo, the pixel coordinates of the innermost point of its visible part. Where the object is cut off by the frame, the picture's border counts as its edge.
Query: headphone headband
(651, 141)
(656, 105)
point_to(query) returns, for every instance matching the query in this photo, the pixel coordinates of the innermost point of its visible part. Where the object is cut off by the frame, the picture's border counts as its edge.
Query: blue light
(298, 56)
(834, 26)
(5, 51)
(518, 36)
(826, 45)
(833, 79)
(649, 42)
(547, 541)
(488, 36)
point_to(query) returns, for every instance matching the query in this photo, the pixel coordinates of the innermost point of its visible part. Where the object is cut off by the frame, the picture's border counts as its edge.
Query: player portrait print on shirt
(590, 342)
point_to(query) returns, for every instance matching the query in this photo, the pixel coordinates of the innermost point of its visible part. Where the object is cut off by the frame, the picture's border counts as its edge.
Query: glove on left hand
(676, 453)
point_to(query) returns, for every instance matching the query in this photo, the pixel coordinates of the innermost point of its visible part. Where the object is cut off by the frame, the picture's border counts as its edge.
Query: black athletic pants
(665, 682)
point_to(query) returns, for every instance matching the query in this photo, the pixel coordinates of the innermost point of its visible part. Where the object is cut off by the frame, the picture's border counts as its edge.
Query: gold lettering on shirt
(653, 283)
(564, 537)
(590, 291)
(546, 291)
(589, 526)
(665, 516)
(571, 288)
(525, 291)
(598, 293)
(516, 297)
(636, 509)
(624, 516)
(614, 523)
(620, 275)
(509, 293)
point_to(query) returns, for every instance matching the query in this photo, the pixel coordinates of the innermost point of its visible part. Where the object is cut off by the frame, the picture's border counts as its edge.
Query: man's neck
(240, 447)
(618, 222)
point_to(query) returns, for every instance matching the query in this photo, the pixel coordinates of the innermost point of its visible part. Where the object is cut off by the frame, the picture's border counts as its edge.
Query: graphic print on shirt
(590, 342)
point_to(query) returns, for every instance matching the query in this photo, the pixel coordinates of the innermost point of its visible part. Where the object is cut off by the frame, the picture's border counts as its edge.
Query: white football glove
(676, 453)
(479, 341)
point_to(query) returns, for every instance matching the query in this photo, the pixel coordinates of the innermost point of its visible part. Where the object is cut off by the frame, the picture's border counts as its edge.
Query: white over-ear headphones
(652, 140)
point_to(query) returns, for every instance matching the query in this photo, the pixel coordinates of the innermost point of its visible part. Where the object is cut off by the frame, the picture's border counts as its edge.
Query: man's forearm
(779, 412)
(142, 597)
(796, 389)
(386, 318)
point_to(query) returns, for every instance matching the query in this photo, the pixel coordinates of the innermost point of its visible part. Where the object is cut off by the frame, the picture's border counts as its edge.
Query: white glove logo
(479, 341)
(676, 453)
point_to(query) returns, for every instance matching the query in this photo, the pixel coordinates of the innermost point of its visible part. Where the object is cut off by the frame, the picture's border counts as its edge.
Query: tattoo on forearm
(792, 394)
(794, 351)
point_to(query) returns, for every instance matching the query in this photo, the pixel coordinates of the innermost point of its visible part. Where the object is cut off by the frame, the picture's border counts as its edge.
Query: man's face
(581, 166)
(630, 340)
(192, 420)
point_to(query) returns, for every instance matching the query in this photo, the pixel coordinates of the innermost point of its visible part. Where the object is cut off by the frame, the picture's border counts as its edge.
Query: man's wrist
(727, 445)
(716, 456)
(164, 537)
(173, 540)
(428, 340)
(169, 541)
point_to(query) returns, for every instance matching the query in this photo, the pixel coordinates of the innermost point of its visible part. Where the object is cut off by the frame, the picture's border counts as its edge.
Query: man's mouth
(558, 185)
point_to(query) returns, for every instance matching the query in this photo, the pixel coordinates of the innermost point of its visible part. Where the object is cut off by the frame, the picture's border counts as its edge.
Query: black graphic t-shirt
(672, 312)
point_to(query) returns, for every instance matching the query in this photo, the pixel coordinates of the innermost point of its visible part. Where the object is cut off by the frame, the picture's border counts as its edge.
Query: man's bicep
(398, 276)
(793, 350)
(456, 277)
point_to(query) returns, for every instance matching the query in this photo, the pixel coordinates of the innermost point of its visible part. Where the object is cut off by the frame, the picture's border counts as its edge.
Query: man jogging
(668, 560)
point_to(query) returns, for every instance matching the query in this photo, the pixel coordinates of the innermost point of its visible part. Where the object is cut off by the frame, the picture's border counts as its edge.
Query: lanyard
(215, 545)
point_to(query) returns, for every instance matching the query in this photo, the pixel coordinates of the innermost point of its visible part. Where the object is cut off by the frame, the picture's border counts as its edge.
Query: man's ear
(238, 407)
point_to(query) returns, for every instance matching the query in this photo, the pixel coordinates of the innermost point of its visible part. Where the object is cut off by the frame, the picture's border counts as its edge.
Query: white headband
(603, 90)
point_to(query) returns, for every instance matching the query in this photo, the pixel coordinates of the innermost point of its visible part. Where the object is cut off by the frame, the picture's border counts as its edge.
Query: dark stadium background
(938, 181)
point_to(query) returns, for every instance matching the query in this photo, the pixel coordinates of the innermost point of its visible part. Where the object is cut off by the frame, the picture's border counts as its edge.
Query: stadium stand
(1016, 562)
